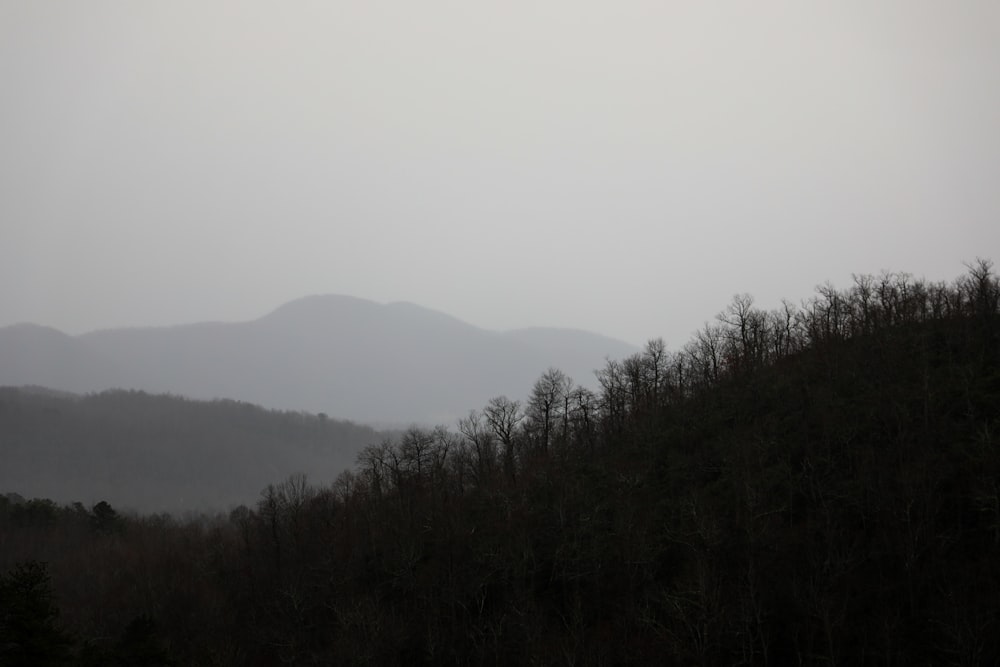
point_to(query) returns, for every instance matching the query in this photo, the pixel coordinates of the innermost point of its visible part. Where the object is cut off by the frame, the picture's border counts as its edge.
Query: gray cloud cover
(623, 167)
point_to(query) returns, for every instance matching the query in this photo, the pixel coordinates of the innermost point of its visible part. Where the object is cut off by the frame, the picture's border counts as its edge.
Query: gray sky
(619, 166)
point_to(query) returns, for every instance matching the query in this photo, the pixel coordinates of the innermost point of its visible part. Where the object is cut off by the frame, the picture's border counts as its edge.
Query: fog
(618, 167)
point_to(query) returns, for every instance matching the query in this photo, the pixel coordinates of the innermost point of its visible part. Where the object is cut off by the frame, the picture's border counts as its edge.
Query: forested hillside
(161, 453)
(814, 485)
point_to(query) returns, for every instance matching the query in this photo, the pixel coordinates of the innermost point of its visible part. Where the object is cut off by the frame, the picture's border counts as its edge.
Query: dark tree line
(817, 484)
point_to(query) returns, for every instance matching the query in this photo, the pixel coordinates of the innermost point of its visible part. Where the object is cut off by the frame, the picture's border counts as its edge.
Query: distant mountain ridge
(158, 453)
(348, 357)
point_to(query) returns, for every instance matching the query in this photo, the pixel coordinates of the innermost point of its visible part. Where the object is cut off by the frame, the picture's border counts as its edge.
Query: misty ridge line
(186, 438)
(298, 438)
(316, 297)
(386, 364)
(351, 358)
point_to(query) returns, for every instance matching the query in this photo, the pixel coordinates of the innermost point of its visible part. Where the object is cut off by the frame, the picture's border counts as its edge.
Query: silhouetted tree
(546, 409)
(29, 634)
(504, 417)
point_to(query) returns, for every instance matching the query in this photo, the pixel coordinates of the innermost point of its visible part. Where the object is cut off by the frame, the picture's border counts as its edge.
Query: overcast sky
(618, 166)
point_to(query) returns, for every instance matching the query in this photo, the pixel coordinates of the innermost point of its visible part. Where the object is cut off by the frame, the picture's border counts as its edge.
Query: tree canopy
(817, 484)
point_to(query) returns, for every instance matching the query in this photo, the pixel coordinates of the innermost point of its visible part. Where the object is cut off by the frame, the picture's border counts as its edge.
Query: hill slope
(814, 486)
(162, 453)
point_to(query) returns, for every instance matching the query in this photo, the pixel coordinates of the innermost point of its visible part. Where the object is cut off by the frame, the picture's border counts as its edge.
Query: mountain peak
(320, 302)
(348, 357)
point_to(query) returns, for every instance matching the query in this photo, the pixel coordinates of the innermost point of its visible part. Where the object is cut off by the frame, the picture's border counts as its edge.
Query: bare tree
(481, 437)
(655, 360)
(547, 405)
(614, 395)
(503, 417)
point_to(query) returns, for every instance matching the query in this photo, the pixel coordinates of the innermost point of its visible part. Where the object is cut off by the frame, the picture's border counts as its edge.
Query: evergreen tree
(29, 634)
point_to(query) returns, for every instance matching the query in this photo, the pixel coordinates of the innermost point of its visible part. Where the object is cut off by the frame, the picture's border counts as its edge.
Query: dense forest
(156, 453)
(817, 484)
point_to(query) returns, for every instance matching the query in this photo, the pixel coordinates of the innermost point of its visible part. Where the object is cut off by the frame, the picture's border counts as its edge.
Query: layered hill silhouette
(351, 358)
(814, 485)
